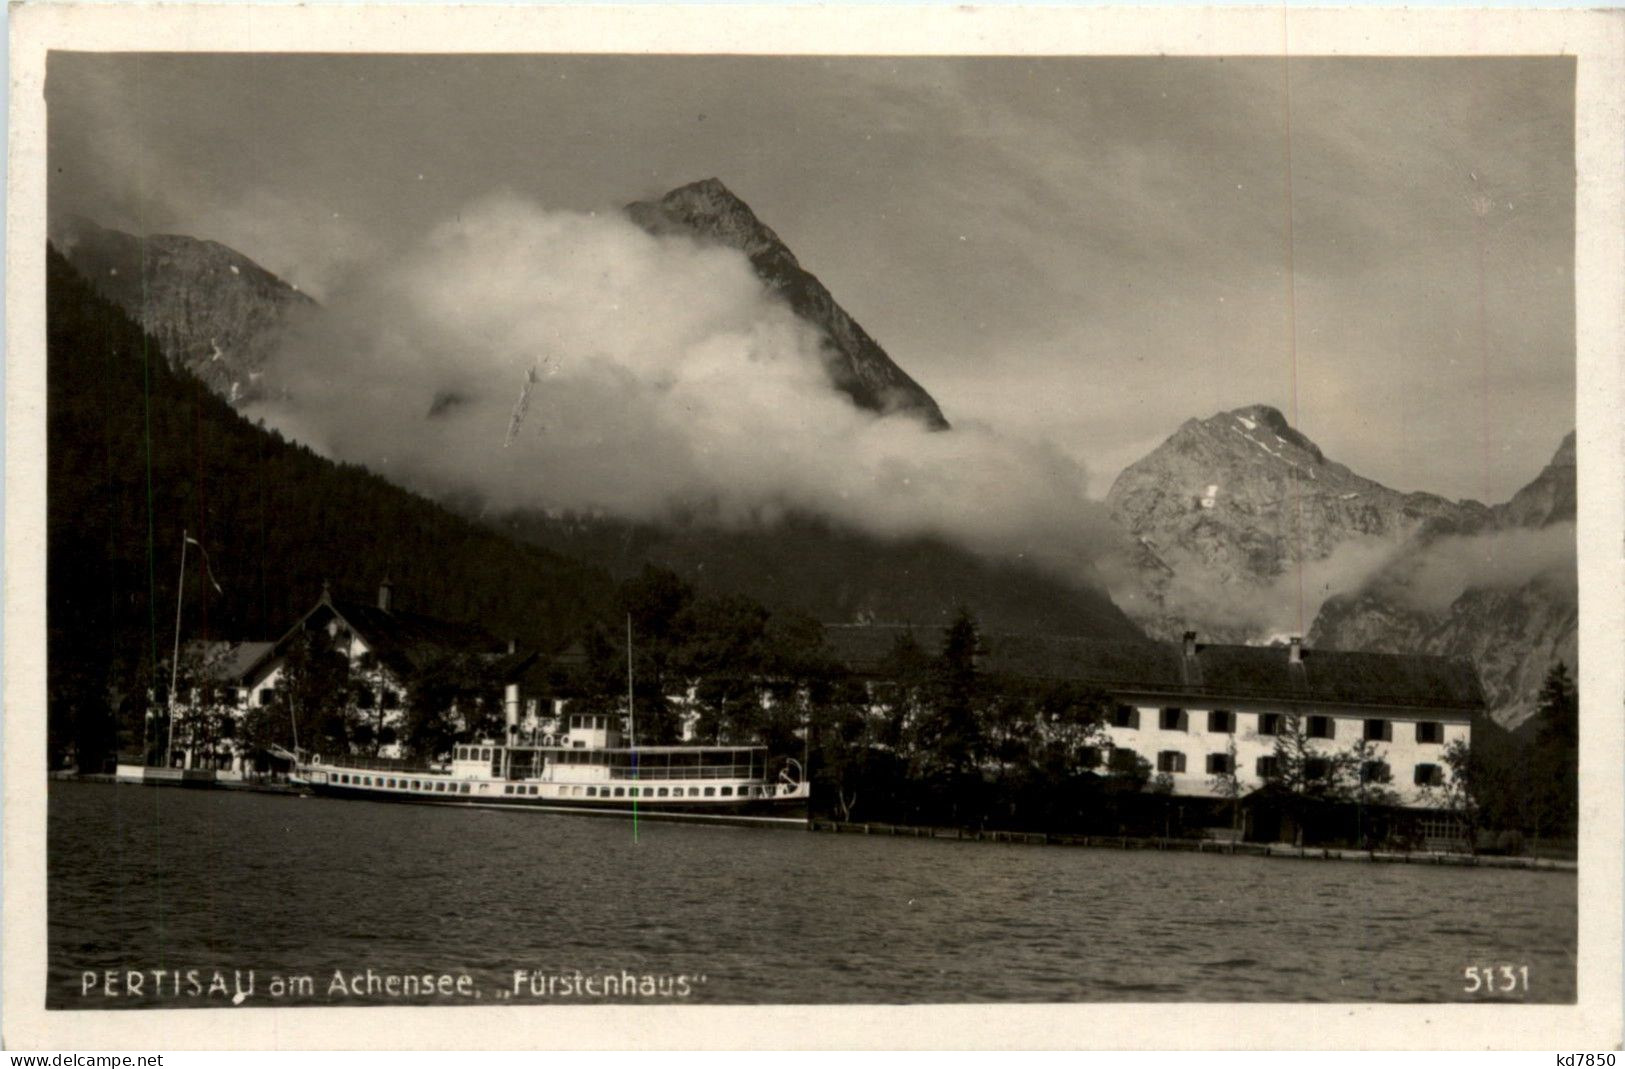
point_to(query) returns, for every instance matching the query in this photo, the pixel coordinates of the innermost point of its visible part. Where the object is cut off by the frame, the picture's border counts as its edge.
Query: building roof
(230, 662)
(1211, 674)
(403, 641)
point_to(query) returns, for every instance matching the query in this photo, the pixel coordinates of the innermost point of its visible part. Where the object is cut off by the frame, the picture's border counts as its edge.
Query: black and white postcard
(567, 517)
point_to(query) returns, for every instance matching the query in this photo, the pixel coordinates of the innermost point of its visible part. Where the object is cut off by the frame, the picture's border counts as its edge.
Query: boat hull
(786, 811)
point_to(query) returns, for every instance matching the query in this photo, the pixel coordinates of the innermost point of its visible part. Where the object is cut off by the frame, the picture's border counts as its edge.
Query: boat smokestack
(510, 710)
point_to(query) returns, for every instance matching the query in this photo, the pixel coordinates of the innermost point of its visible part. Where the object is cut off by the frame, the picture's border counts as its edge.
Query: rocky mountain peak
(1230, 504)
(709, 211)
(1513, 624)
(1271, 420)
(214, 311)
(1550, 498)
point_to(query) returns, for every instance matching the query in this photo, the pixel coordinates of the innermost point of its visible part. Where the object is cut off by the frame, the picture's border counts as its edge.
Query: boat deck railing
(383, 764)
(661, 772)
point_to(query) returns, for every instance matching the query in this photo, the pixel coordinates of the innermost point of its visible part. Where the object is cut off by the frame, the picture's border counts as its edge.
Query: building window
(1374, 772)
(1219, 764)
(1378, 731)
(1322, 727)
(1170, 761)
(1173, 720)
(1429, 731)
(1123, 759)
(1268, 767)
(1429, 776)
(1125, 716)
(1089, 757)
(1221, 721)
(1316, 768)
(1269, 723)
(267, 695)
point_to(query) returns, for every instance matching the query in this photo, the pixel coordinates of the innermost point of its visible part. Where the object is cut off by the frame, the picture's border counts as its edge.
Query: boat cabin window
(710, 792)
(727, 792)
(620, 792)
(465, 788)
(662, 792)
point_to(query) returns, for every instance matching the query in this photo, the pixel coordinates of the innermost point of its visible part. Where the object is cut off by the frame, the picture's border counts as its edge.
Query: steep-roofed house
(385, 648)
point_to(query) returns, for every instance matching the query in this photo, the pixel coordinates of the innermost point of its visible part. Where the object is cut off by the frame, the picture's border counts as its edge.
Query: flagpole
(631, 725)
(175, 660)
(631, 716)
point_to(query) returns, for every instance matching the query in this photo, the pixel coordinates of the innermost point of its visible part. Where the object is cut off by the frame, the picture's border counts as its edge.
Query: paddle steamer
(587, 770)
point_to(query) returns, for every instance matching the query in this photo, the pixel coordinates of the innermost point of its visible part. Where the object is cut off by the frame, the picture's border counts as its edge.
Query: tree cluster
(1511, 791)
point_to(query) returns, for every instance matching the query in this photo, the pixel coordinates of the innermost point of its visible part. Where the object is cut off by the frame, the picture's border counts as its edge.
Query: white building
(1229, 707)
(1194, 711)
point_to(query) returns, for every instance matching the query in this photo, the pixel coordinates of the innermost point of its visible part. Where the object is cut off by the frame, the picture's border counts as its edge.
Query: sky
(1077, 253)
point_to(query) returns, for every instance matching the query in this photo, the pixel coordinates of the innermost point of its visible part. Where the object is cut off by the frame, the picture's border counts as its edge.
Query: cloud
(1286, 605)
(666, 379)
(1431, 577)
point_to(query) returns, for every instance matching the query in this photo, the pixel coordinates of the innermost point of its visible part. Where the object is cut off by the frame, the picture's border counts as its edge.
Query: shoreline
(1193, 846)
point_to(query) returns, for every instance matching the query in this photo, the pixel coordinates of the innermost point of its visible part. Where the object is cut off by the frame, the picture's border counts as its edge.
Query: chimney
(385, 591)
(1294, 652)
(1190, 643)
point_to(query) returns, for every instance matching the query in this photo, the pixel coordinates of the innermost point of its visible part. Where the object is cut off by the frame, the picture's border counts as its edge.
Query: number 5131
(1495, 979)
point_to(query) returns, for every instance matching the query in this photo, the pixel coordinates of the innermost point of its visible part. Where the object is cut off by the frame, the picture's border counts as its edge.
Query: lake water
(268, 887)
